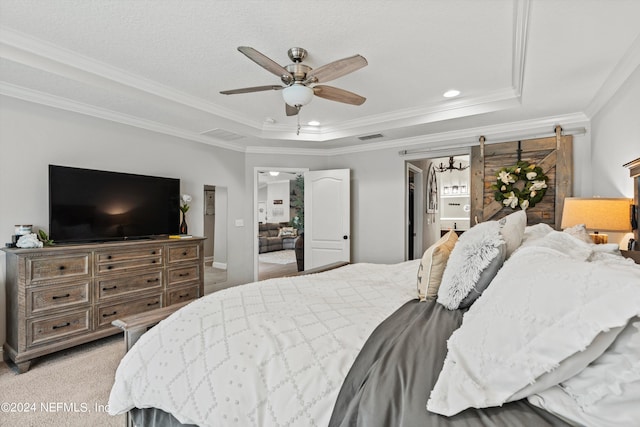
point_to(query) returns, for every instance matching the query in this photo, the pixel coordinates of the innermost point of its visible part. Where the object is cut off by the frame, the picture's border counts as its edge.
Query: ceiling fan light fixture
(297, 95)
(452, 93)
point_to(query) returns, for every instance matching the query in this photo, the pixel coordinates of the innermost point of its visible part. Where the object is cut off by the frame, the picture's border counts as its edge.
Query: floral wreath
(533, 191)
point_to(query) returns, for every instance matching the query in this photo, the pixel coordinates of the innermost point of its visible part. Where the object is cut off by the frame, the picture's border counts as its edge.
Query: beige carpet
(69, 388)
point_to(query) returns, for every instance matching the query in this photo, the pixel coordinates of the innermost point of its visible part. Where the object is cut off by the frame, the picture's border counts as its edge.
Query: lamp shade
(598, 214)
(297, 95)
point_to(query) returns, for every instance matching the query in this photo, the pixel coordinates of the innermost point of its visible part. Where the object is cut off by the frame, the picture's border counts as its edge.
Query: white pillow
(432, 266)
(541, 308)
(474, 261)
(607, 392)
(512, 231)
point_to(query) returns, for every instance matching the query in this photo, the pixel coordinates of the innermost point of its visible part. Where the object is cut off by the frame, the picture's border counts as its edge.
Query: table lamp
(597, 214)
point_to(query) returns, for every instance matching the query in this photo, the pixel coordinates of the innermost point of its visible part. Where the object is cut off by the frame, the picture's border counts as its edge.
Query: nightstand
(634, 255)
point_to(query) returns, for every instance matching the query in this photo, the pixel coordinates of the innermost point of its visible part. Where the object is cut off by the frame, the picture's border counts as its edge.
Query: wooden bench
(136, 325)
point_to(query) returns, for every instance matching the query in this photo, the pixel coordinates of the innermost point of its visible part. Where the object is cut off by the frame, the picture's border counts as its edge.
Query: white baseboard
(220, 265)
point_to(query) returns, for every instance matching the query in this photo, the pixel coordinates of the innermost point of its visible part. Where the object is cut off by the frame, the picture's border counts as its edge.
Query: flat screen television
(95, 206)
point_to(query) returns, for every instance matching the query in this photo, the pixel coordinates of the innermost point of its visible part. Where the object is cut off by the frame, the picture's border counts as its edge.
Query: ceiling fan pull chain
(298, 116)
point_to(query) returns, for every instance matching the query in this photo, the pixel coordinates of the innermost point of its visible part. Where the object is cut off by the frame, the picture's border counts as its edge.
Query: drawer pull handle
(110, 289)
(109, 267)
(62, 267)
(183, 296)
(64, 325)
(60, 296)
(183, 274)
(153, 303)
(108, 256)
(184, 253)
(152, 280)
(110, 314)
(153, 261)
(153, 252)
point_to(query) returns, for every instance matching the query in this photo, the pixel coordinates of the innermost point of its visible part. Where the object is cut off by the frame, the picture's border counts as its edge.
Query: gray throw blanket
(390, 380)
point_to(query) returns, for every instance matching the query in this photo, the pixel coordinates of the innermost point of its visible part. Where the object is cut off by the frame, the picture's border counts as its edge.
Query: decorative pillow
(432, 266)
(479, 249)
(287, 232)
(579, 231)
(512, 230)
(541, 308)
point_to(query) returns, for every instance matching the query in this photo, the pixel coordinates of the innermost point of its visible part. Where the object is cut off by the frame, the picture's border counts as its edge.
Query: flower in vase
(185, 199)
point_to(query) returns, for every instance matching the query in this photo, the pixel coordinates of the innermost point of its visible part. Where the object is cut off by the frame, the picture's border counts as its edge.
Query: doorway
(215, 231)
(278, 220)
(444, 200)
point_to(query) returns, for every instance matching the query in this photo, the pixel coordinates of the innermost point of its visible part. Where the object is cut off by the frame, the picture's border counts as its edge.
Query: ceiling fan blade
(291, 111)
(251, 89)
(340, 95)
(336, 69)
(265, 62)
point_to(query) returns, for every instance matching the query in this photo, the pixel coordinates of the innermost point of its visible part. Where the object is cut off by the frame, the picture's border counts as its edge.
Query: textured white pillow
(478, 250)
(512, 230)
(432, 266)
(605, 393)
(542, 307)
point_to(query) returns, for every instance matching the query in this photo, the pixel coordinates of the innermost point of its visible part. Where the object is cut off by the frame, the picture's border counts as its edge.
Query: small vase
(183, 225)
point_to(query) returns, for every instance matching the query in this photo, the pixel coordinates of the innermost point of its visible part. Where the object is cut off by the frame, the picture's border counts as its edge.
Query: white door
(327, 231)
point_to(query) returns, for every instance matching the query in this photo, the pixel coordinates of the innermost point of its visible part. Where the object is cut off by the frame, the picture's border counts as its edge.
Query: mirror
(215, 230)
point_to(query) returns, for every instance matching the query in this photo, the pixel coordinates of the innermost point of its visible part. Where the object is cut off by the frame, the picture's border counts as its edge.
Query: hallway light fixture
(451, 166)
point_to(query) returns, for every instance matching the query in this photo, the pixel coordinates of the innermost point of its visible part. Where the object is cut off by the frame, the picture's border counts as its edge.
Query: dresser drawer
(180, 275)
(183, 253)
(129, 264)
(121, 285)
(52, 328)
(56, 267)
(45, 298)
(108, 313)
(183, 294)
(103, 257)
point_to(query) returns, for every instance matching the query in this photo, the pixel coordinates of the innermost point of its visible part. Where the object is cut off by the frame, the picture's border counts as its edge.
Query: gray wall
(32, 136)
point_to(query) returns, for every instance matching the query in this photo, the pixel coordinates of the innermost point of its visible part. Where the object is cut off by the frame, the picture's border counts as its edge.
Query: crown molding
(41, 98)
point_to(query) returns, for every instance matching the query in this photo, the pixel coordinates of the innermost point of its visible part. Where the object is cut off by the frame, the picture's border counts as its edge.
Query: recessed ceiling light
(314, 123)
(451, 93)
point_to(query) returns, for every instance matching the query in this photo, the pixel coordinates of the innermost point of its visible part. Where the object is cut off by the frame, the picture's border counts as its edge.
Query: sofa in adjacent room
(276, 237)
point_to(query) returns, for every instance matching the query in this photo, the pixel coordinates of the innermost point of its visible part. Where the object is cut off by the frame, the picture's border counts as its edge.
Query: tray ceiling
(160, 65)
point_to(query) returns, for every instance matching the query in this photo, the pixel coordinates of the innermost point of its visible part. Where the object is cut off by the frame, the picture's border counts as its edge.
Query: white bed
(277, 352)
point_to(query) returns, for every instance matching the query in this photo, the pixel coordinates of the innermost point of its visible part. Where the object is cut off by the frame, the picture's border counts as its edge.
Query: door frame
(256, 228)
(418, 205)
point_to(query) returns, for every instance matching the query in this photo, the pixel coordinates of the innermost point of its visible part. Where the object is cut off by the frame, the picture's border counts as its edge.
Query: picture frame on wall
(432, 191)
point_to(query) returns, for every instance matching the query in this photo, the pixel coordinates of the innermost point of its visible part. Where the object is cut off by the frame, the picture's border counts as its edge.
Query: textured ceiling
(161, 64)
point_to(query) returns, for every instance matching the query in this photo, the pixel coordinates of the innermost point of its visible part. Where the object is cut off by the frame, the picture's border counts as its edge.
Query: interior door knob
(345, 237)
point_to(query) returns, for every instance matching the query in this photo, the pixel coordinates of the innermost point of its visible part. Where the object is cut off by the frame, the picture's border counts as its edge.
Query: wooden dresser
(61, 296)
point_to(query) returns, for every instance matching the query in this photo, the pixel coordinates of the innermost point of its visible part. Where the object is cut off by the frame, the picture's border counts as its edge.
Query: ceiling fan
(300, 80)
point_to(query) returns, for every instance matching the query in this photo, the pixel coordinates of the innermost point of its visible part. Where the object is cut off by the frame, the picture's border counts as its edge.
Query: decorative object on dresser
(184, 208)
(61, 296)
(597, 214)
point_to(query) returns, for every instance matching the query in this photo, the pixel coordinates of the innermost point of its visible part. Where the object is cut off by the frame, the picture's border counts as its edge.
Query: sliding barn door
(554, 155)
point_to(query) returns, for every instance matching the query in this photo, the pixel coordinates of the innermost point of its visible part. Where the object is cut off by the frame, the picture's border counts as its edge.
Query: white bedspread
(263, 354)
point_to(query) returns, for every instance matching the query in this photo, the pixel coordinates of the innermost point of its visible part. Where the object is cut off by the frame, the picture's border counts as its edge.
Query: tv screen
(90, 205)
